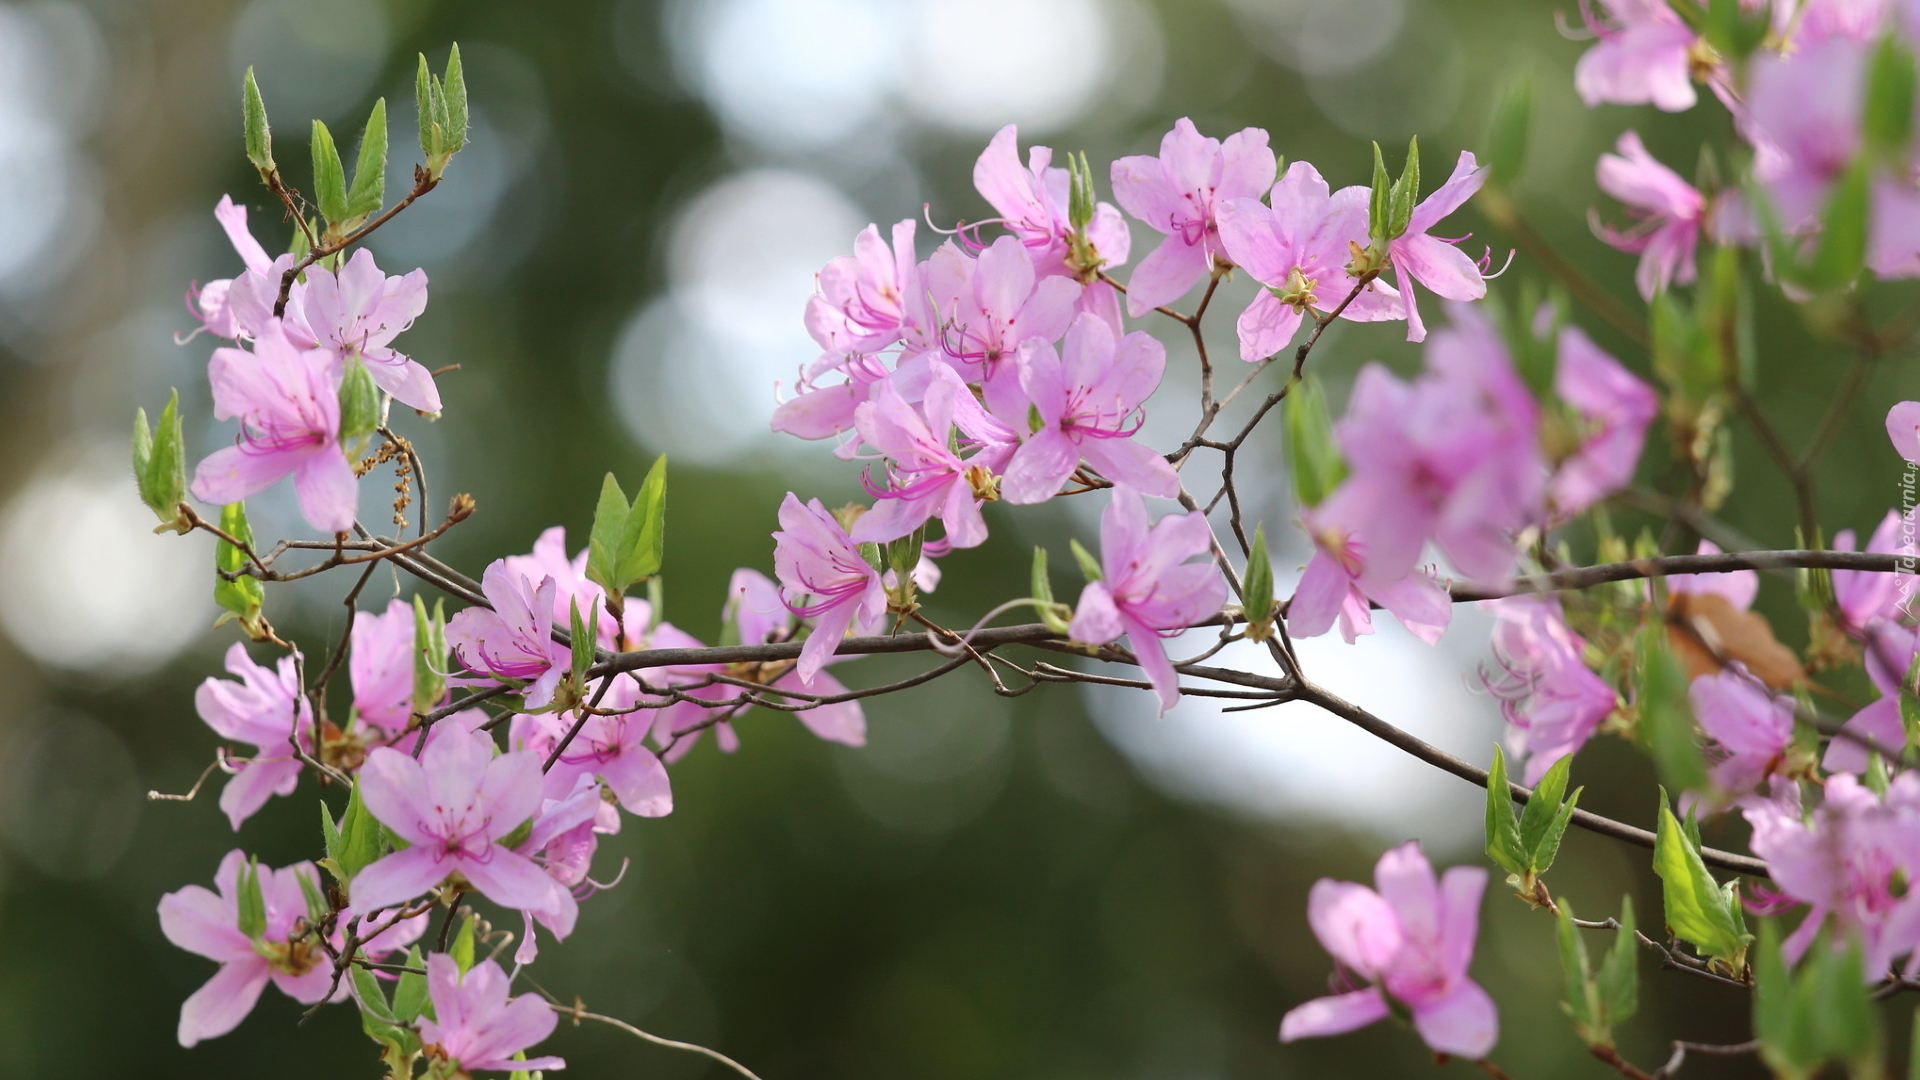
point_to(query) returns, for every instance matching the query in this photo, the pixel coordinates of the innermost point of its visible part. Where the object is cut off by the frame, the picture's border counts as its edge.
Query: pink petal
(199, 921)
(1903, 427)
(640, 781)
(1095, 619)
(1165, 275)
(226, 999)
(329, 492)
(399, 877)
(511, 880)
(1463, 1023)
(1267, 326)
(1039, 467)
(1125, 461)
(1354, 925)
(1335, 1015)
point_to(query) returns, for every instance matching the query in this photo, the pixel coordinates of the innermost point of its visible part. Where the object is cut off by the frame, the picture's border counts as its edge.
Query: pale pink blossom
(1888, 650)
(266, 710)
(824, 577)
(1751, 728)
(207, 923)
(759, 615)
(613, 748)
(1148, 589)
(1089, 407)
(359, 311)
(864, 298)
(1614, 408)
(214, 303)
(1335, 585)
(513, 640)
(927, 477)
(1410, 939)
(1430, 261)
(452, 807)
(1032, 203)
(1644, 55)
(1299, 249)
(1865, 596)
(1551, 701)
(1176, 193)
(381, 667)
(572, 588)
(288, 403)
(1668, 215)
(1004, 303)
(476, 1026)
(1903, 428)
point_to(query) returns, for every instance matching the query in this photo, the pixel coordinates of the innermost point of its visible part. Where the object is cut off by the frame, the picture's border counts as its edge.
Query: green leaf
(166, 477)
(582, 638)
(252, 906)
(142, 454)
(1666, 717)
(455, 86)
(1698, 911)
(424, 96)
(371, 996)
(243, 595)
(1913, 1055)
(1378, 202)
(410, 993)
(1257, 591)
(643, 540)
(1845, 1022)
(1079, 192)
(1787, 1042)
(1089, 566)
(1507, 140)
(329, 178)
(1312, 455)
(359, 406)
(1888, 120)
(1910, 703)
(1503, 828)
(462, 948)
(1842, 249)
(1619, 977)
(429, 655)
(1053, 614)
(1539, 813)
(903, 555)
(362, 837)
(1543, 853)
(1583, 1000)
(317, 906)
(369, 191)
(330, 833)
(1406, 192)
(253, 119)
(609, 525)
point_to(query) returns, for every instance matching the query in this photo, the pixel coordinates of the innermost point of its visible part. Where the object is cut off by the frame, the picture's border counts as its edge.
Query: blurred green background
(1058, 886)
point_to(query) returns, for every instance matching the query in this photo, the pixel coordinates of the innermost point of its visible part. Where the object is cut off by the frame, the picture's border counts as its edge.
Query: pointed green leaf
(1089, 566)
(423, 100)
(1842, 249)
(371, 995)
(1888, 120)
(1042, 583)
(252, 919)
(455, 86)
(462, 948)
(167, 466)
(1538, 815)
(359, 406)
(429, 655)
(253, 118)
(362, 838)
(643, 540)
(1698, 911)
(1540, 857)
(1666, 716)
(582, 638)
(1785, 1043)
(1379, 201)
(410, 993)
(142, 455)
(329, 177)
(1314, 458)
(1257, 590)
(1619, 978)
(243, 595)
(330, 833)
(1846, 1025)
(609, 527)
(1507, 141)
(369, 192)
(1582, 1003)
(1503, 828)
(316, 903)
(1406, 192)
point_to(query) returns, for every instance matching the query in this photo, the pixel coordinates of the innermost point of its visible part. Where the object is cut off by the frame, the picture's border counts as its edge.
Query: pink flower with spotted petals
(1430, 261)
(266, 710)
(824, 577)
(1089, 407)
(476, 1026)
(1177, 193)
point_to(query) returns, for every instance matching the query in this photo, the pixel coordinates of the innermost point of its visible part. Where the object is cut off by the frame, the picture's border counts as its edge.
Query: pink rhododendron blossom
(1032, 203)
(513, 640)
(1863, 596)
(1335, 585)
(1737, 587)
(1803, 119)
(758, 614)
(824, 577)
(1614, 408)
(359, 311)
(476, 1026)
(213, 303)
(381, 666)
(1644, 56)
(288, 403)
(1299, 249)
(266, 710)
(1430, 261)
(1750, 727)
(572, 588)
(1147, 587)
(1176, 193)
(613, 748)
(928, 478)
(1851, 861)
(1411, 938)
(867, 295)
(1551, 701)
(1903, 427)
(1668, 212)
(1004, 304)
(1888, 650)
(452, 807)
(1089, 407)
(207, 923)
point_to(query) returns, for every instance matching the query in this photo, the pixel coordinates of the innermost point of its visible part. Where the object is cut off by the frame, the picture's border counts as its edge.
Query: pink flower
(1412, 941)
(1751, 727)
(453, 806)
(214, 304)
(1551, 701)
(1615, 408)
(613, 748)
(1851, 862)
(1032, 203)
(928, 477)
(208, 924)
(1668, 210)
(476, 1026)
(512, 641)
(1004, 303)
(288, 403)
(1903, 427)
(867, 295)
(1147, 587)
(1089, 407)
(359, 311)
(1335, 584)
(1889, 650)
(381, 667)
(1644, 56)
(1299, 249)
(266, 710)
(758, 614)
(1803, 119)
(1864, 596)
(1431, 261)
(824, 577)
(1176, 193)
(571, 585)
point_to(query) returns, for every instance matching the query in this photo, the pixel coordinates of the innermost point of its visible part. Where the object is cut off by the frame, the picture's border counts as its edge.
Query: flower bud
(359, 407)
